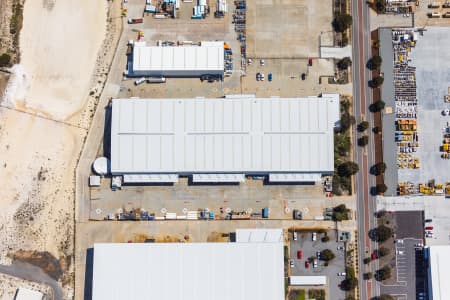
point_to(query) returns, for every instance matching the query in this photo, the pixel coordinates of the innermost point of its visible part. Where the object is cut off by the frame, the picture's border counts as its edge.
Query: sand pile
(40, 137)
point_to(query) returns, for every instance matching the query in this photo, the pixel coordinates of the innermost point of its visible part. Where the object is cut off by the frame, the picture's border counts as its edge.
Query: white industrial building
(188, 271)
(177, 61)
(438, 271)
(307, 280)
(223, 139)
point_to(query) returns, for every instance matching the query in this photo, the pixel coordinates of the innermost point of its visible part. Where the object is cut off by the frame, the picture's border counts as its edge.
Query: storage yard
(421, 86)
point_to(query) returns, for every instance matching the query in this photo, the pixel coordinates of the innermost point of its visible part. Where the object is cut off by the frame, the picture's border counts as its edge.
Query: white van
(314, 236)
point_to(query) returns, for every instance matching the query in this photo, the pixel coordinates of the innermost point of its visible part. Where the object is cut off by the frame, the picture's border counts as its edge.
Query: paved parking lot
(286, 28)
(309, 249)
(405, 251)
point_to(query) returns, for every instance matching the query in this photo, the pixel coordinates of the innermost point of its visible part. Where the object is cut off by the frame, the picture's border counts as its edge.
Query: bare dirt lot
(286, 28)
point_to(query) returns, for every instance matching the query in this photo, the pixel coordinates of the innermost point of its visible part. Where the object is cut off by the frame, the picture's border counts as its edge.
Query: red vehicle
(429, 228)
(374, 256)
(299, 254)
(310, 62)
(306, 264)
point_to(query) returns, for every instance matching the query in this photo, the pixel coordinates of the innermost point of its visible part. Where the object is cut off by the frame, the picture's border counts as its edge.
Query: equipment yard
(432, 65)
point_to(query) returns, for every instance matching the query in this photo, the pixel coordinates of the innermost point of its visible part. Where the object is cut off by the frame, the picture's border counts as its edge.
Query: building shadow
(107, 132)
(89, 274)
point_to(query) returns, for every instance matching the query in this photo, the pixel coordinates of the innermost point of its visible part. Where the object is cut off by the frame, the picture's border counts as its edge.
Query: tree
(375, 62)
(342, 22)
(344, 63)
(363, 126)
(347, 120)
(348, 169)
(368, 275)
(327, 255)
(380, 233)
(380, 6)
(325, 239)
(377, 106)
(383, 273)
(363, 141)
(340, 213)
(367, 260)
(342, 144)
(378, 168)
(5, 59)
(349, 284)
(376, 82)
(376, 130)
(383, 251)
(381, 188)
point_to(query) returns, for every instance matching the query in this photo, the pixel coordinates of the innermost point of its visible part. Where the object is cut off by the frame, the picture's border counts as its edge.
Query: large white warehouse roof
(179, 60)
(188, 271)
(239, 134)
(440, 271)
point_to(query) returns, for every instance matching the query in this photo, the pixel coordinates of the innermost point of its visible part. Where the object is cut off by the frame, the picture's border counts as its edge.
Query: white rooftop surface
(27, 294)
(440, 271)
(210, 56)
(307, 280)
(259, 235)
(223, 135)
(188, 271)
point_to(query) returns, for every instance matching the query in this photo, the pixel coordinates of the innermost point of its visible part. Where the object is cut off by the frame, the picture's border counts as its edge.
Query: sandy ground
(44, 116)
(9, 286)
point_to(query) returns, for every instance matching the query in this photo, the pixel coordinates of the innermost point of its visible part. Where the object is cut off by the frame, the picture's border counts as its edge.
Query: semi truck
(135, 21)
(156, 79)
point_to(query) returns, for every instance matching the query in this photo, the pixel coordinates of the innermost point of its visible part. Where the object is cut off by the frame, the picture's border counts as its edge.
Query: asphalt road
(362, 98)
(32, 273)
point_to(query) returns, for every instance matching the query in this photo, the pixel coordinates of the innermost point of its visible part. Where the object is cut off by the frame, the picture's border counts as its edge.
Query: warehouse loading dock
(223, 139)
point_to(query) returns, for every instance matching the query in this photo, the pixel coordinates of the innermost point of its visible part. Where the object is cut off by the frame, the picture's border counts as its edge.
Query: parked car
(314, 236)
(341, 248)
(374, 256)
(299, 254)
(249, 62)
(428, 220)
(292, 263)
(262, 62)
(342, 274)
(419, 245)
(294, 236)
(315, 263)
(303, 76)
(262, 76)
(429, 228)
(318, 254)
(269, 77)
(400, 252)
(258, 76)
(306, 264)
